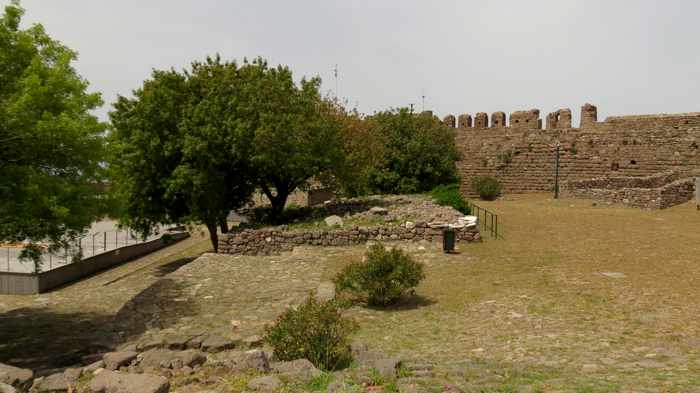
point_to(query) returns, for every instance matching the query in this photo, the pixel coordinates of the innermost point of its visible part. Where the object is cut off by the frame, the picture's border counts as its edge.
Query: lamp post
(556, 174)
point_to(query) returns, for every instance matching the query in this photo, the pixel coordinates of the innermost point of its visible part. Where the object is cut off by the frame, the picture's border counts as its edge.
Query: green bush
(315, 331)
(383, 278)
(449, 195)
(487, 187)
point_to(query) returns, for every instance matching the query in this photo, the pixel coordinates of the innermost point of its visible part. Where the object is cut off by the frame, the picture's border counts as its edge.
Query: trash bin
(448, 240)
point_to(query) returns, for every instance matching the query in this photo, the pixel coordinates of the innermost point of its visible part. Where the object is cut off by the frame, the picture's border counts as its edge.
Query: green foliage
(315, 331)
(383, 278)
(449, 195)
(397, 152)
(487, 187)
(50, 144)
(295, 136)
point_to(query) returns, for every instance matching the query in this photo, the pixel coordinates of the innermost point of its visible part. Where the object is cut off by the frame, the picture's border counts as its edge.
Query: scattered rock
(176, 342)
(52, 383)
(300, 370)
(73, 374)
(15, 376)
(217, 344)
(255, 360)
(334, 221)
(5, 388)
(114, 360)
(253, 341)
(115, 382)
(379, 211)
(268, 383)
(409, 225)
(163, 358)
(325, 291)
(94, 366)
(386, 366)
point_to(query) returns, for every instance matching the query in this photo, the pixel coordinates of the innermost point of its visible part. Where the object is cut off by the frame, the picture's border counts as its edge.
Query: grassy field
(577, 298)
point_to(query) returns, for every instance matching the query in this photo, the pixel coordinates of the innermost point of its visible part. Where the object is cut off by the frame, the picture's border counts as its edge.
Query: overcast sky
(626, 57)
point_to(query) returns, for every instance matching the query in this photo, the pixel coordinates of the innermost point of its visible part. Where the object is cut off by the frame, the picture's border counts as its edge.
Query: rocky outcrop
(109, 381)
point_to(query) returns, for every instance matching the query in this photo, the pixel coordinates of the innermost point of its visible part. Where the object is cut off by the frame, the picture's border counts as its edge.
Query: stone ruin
(521, 153)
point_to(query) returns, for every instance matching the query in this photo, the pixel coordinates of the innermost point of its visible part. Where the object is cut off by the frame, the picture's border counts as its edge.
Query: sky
(626, 57)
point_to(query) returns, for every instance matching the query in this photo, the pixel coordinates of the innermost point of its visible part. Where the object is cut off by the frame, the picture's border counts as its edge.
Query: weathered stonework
(481, 120)
(658, 191)
(523, 158)
(589, 115)
(498, 119)
(449, 121)
(276, 240)
(464, 120)
(526, 119)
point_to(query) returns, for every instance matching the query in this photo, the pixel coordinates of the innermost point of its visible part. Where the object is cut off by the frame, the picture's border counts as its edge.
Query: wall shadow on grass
(42, 338)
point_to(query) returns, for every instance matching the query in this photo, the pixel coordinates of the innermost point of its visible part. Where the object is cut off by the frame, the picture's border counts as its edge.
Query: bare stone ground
(578, 298)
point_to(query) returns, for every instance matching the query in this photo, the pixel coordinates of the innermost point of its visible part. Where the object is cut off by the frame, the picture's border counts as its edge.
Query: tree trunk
(213, 235)
(223, 224)
(278, 201)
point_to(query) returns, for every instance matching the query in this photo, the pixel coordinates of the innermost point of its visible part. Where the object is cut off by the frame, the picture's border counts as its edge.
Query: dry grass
(534, 310)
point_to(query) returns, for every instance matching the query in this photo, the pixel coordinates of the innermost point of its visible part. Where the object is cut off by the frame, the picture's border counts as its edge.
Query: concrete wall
(31, 283)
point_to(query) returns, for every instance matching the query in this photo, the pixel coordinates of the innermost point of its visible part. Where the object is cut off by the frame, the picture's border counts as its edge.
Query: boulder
(114, 360)
(52, 383)
(379, 211)
(300, 370)
(255, 360)
(115, 382)
(334, 221)
(325, 291)
(163, 358)
(94, 366)
(5, 388)
(176, 342)
(268, 383)
(253, 341)
(15, 376)
(217, 344)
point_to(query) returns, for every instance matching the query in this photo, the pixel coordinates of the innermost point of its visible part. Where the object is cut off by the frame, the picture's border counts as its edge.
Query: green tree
(50, 145)
(419, 153)
(295, 136)
(180, 148)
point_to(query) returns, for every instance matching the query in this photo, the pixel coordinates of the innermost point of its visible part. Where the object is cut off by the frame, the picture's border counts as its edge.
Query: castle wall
(522, 158)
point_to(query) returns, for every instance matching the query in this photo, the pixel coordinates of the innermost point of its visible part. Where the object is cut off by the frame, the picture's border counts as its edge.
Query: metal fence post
(8, 259)
(104, 241)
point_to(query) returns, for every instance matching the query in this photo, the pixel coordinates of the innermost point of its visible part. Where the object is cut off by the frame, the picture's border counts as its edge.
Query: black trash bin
(448, 240)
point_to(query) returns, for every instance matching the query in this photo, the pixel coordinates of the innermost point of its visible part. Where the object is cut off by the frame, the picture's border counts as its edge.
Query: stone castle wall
(521, 155)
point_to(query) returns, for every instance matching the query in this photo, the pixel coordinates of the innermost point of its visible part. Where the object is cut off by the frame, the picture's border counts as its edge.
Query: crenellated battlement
(521, 154)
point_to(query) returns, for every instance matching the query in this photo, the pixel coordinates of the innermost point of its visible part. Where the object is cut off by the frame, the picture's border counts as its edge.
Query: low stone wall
(275, 240)
(658, 191)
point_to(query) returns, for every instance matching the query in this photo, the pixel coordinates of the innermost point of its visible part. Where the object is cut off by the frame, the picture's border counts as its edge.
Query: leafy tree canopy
(416, 153)
(50, 144)
(180, 148)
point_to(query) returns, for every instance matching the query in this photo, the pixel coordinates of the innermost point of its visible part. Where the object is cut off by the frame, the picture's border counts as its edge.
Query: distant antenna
(411, 104)
(422, 97)
(335, 74)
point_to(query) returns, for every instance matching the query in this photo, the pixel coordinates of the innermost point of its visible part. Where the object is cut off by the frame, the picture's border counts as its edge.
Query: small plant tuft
(315, 331)
(383, 278)
(449, 195)
(487, 187)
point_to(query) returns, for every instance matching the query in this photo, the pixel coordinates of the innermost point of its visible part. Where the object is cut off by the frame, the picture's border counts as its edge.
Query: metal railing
(86, 246)
(489, 222)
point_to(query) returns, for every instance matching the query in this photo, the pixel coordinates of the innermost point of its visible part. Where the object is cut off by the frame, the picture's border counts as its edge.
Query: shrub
(449, 195)
(383, 278)
(487, 187)
(315, 331)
